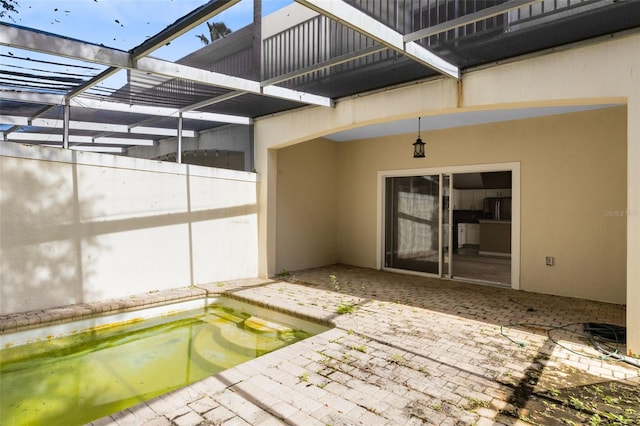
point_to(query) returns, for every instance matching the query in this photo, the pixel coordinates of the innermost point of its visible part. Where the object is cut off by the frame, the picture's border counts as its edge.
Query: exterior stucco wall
(306, 199)
(604, 72)
(79, 227)
(569, 196)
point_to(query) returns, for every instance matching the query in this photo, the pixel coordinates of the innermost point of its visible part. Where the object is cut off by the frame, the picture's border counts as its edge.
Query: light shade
(418, 148)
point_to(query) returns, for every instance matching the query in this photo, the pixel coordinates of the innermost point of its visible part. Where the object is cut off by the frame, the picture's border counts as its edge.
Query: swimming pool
(120, 361)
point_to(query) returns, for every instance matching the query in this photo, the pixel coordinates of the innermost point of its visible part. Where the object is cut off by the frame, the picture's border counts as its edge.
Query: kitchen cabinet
(496, 193)
(473, 199)
(468, 233)
(469, 199)
(455, 200)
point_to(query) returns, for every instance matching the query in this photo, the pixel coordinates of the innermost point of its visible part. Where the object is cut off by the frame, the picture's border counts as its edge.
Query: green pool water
(79, 378)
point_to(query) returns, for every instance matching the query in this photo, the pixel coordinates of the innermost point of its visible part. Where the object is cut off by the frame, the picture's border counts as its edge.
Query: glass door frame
(447, 211)
(514, 167)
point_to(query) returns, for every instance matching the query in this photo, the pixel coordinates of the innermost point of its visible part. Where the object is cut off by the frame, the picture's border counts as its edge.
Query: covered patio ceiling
(60, 98)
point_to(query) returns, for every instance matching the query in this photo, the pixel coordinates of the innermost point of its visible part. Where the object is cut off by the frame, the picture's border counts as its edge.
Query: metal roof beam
(29, 39)
(58, 138)
(14, 120)
(296, 95)
(174, 70)
(32, 97)
(181, 26)
(158, 111)
(325, 64)
(210, 116)
(40, 41)
(468, 19)
(171, 69)
(89, 148)
(77, 91)
(83, 102)
(212, 101)
(184, 24)
(91, 126)
(102, 149)
(160, 131)
(353, 18)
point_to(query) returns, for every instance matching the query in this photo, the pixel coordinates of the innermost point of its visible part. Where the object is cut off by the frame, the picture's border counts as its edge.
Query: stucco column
(267, 168)
(633, 224)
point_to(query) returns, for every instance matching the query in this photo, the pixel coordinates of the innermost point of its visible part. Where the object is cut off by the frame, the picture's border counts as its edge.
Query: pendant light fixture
(418, 145)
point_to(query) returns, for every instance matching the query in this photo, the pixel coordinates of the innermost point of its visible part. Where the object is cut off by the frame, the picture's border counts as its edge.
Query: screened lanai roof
(104, 81)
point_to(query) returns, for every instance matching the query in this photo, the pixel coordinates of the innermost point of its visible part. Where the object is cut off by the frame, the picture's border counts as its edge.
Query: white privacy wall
(80, 227)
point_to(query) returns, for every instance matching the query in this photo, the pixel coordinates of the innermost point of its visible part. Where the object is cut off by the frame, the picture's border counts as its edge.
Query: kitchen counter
(495, 237)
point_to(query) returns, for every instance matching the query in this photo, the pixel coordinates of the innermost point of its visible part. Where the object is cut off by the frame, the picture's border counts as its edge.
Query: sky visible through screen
(119, 24)
(124, 24)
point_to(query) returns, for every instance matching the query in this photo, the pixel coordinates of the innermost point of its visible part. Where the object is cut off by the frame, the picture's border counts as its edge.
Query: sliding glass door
(413, 218)
(450, 225)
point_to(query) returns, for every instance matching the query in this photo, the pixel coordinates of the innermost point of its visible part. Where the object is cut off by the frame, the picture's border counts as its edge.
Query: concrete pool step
(246, 342)
(226, 314)
(207, 349)
(235, 338)
(267, 328)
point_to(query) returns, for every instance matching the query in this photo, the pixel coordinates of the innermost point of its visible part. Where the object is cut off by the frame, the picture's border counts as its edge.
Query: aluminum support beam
(65, 127)
(156, 131)
(179, 142)
(32, 98)
(95, 80)
(468, 19)
(170, 69)
(40, 41)
(123, 141)
(91, 126)
(158, 111)
(29, 39)
(73, 139)
(102, 149)
(216, 100)
(325, 64)
(89, 148)
(211, 78)
(210, 116)
(181, 26)
(296, 95)
(353, 18)
(115, 106)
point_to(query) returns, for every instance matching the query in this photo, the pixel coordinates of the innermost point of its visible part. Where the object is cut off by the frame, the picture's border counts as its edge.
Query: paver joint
(406, 350)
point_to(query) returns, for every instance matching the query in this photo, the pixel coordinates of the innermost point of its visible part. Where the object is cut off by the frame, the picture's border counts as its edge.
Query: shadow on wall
(41, 248)
(74, 233)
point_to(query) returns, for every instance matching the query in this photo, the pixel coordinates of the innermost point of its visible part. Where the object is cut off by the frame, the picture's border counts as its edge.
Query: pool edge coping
(27, 320)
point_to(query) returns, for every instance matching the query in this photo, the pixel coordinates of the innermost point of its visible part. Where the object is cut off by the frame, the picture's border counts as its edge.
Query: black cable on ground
(609, 333)
(597, 333)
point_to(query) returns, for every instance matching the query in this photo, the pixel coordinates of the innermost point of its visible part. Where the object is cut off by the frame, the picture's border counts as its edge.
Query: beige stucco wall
(572, 202)
(569, 195)
(80, 227)
(307, 205)
(602, 72)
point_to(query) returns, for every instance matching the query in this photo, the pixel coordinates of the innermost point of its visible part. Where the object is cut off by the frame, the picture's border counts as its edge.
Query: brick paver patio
(405, 350)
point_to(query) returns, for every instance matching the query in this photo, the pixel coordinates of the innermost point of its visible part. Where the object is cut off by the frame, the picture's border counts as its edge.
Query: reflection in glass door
(445, 219)
(412, 223)
(453, 225)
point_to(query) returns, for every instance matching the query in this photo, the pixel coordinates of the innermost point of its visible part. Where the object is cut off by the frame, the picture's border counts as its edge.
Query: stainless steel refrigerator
(497, 208)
